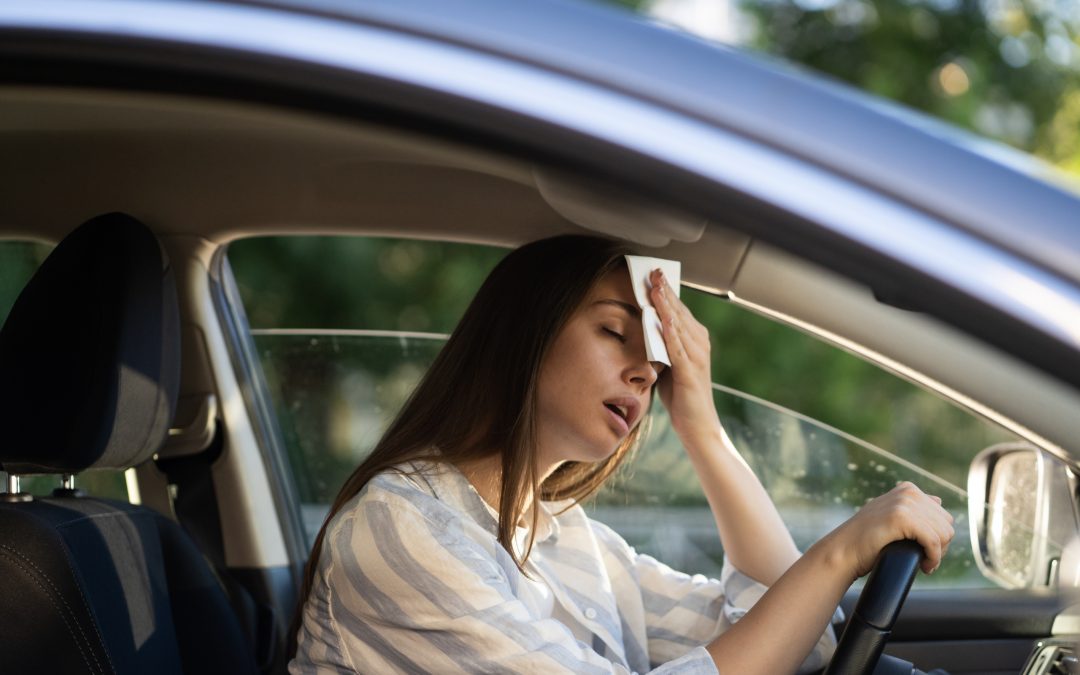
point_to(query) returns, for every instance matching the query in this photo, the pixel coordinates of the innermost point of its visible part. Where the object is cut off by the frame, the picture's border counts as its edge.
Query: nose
(644, 373)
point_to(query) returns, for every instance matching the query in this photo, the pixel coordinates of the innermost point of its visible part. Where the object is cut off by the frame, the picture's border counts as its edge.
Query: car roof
(1009, 198)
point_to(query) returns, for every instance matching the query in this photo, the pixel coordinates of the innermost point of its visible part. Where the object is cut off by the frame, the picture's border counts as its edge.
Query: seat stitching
(67, 558)
(60, 595)
(60, 610)
(95, 516)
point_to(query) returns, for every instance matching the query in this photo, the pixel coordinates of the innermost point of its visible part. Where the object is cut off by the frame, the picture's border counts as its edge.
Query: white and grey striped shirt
(412, 579)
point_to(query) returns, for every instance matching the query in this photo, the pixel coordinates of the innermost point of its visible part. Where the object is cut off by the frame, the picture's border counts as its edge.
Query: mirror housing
(1021, 513)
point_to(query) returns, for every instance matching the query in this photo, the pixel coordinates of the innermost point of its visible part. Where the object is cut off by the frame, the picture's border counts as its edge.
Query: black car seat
(89, 372)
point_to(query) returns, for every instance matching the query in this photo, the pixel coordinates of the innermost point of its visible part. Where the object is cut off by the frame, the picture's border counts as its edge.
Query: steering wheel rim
(871, 623)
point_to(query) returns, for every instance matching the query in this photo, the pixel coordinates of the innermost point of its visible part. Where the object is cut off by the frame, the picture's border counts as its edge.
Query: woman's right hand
(905, 512)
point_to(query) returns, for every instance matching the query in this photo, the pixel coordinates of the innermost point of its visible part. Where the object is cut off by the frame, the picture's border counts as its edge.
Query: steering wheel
(879, 604)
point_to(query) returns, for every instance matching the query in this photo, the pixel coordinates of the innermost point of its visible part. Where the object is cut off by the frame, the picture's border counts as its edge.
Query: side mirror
(1021, 512)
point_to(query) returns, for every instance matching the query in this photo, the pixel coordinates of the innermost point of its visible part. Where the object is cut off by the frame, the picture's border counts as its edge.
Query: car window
(345, 327)
(18, 262)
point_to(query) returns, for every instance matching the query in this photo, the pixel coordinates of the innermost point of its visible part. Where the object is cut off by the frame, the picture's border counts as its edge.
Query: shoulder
(402, 493)
(397, 548)
(426, 509)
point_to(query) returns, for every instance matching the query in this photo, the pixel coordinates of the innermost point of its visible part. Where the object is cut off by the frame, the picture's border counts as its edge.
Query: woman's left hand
(685, 388)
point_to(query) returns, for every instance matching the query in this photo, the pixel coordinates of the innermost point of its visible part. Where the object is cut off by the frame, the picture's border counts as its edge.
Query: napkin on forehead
(640, 268)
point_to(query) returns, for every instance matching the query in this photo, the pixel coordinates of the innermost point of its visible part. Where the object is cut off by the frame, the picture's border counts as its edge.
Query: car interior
(132, 361)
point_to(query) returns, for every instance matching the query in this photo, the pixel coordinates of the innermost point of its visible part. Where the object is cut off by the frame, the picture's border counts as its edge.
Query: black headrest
(90, 354)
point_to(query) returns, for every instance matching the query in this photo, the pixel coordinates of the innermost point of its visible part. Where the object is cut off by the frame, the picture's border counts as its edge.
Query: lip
(633, 411)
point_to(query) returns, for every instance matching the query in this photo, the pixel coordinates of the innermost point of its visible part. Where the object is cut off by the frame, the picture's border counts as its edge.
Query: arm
(683, 611)
(785, 623)
(753, 535)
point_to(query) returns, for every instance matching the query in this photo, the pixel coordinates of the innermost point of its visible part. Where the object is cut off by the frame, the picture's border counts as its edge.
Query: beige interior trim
(972, 374)
(249, 525)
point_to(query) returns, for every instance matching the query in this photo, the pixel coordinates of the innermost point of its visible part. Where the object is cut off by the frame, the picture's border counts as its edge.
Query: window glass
(824, 431)
(18, 262)
(345, 327)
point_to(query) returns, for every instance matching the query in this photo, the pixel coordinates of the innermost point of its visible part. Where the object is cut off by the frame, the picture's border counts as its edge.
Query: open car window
(345, 327)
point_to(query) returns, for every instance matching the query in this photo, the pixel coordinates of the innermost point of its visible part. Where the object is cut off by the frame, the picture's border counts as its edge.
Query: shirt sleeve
(403, 588)
(684, 611)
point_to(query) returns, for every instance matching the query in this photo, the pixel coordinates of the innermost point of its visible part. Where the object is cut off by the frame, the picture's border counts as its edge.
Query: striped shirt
(412, 579)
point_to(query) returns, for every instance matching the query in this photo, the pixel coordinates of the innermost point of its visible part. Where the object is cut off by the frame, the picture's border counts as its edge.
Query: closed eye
(618, 336)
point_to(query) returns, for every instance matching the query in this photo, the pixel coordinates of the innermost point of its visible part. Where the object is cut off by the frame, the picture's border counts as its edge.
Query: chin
(598, 453)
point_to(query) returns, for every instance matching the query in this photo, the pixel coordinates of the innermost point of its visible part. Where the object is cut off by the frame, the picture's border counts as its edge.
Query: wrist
(836, 555)
(702, 435)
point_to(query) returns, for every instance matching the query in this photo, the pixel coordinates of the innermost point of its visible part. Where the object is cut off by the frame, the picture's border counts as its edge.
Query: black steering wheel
(879, 604)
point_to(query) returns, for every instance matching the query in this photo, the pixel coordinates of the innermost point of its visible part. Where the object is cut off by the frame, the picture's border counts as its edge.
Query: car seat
(89, 373)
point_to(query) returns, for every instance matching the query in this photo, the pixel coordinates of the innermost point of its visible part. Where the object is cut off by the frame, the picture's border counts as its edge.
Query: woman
(459, 544)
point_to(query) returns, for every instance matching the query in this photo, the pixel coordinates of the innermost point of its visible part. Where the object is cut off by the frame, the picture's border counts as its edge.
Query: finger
(675, 338)
(692, 335)
(941, 517)
(939, 529)
(944, 533)
(938, 519)
(676, 345)
(927, 523)
(679, 308)
(932, 551)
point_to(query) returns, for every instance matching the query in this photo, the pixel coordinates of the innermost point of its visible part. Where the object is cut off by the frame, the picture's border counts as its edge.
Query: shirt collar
(451, 486)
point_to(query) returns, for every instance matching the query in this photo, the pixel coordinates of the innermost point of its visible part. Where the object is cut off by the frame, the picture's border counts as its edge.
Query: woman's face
(595, 384)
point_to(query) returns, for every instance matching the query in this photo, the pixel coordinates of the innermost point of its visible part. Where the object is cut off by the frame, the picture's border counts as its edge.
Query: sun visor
(616, 213)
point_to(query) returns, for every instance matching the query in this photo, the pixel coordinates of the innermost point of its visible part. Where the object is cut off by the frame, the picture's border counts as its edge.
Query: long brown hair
(479, 396)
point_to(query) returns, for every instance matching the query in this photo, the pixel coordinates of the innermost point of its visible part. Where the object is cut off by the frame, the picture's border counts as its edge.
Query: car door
(823, 430)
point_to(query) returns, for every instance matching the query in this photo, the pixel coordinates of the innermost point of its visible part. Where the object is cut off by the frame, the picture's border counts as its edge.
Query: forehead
(615, 285)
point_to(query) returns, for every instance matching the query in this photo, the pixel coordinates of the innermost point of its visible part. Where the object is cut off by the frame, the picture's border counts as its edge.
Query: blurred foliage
(1006, 69)
(342, 282)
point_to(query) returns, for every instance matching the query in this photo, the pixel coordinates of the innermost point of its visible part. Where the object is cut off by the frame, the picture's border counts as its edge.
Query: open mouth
(624, 410)
(617, 409)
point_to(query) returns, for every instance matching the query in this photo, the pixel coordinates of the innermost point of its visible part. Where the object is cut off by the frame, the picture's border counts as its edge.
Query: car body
(947, 260)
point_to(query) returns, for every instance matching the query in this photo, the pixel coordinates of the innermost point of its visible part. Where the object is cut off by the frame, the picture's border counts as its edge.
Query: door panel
(985, 630)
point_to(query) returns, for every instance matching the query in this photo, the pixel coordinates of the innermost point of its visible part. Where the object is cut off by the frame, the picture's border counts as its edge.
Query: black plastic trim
(971, 614)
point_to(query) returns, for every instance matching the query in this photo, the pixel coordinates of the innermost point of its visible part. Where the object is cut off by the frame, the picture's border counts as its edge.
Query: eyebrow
(632, 310)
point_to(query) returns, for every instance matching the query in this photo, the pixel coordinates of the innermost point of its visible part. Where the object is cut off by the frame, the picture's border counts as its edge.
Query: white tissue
(640, 268)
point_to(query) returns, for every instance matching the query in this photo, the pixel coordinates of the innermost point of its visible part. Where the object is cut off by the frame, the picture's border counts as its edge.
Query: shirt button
(590, 613)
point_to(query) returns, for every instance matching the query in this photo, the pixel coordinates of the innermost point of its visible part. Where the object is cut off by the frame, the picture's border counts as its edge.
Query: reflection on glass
(335, 392)
(1010, 538)
(818, 477)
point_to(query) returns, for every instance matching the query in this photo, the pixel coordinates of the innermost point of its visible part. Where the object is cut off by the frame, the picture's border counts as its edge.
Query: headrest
(90, 354)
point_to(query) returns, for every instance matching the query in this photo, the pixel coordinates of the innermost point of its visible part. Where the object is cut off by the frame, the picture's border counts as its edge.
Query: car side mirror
(1021, 512)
